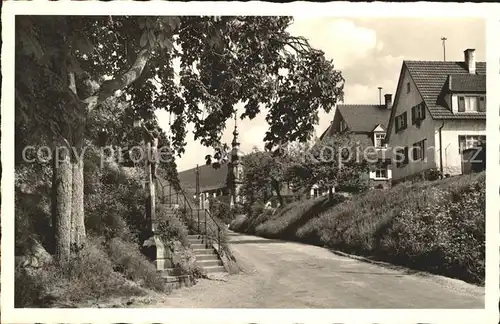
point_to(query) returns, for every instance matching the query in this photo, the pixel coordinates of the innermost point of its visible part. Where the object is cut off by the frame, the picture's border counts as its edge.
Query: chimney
(470, 60)
(388, 101)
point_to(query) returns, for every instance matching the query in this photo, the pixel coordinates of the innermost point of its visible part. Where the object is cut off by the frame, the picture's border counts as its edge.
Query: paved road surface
(281, 274)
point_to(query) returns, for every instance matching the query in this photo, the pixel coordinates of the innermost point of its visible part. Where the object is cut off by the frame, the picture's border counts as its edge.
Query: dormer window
(379, 139)
(471, 103)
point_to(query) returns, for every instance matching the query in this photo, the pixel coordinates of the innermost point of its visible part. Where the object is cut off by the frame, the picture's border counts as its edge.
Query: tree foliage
(333, 162)
(68, 67)
(264, 174)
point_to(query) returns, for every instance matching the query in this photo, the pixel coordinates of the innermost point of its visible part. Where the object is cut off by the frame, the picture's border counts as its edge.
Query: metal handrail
(176, 193)
(191, 210)
(207, 212)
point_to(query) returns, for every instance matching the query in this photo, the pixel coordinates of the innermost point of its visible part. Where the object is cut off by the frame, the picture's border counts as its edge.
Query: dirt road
(281, 274)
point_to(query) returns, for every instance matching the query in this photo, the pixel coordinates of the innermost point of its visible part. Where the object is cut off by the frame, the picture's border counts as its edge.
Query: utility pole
(380, 96)
(443, 39)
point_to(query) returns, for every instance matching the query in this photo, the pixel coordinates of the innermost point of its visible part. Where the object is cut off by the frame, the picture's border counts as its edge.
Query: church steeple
(235, 143)
(235, 165)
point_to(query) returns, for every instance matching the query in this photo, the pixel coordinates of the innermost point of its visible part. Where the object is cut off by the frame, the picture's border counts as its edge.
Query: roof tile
(430, 78)
(364, 118)
(467, 83)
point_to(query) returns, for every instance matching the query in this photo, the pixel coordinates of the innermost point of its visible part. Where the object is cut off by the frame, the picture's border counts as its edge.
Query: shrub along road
(278, 274)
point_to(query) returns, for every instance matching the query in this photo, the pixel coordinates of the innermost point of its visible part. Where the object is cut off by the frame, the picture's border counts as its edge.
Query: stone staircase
(206, 256)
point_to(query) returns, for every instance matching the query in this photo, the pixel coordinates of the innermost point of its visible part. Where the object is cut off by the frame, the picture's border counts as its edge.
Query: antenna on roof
(444, 39)
(380, 96)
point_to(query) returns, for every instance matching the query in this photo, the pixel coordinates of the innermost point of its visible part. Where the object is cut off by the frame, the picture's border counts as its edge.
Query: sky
(369, 52)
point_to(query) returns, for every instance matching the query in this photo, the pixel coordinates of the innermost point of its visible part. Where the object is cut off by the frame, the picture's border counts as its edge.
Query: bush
(185, 261)
(116, 209)
(174, 234)
(257, 208)
(28, 290)
(447, 234)
(434, 174)
(170, 226)
(128, 260)
(87, 276)
(91, 276)
(105, 214)
(221, 210)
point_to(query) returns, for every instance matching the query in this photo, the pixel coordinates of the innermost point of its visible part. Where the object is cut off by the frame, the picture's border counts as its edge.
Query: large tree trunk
(62, 203)
(77, 213)
(77, 231)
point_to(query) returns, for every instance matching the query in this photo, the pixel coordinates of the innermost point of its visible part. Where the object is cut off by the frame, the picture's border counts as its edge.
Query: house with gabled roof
(368, 126)
(438, 119)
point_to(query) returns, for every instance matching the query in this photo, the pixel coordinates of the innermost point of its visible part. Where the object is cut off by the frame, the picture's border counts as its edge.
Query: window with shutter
(418, 150)
(413, 115)
(406, 155)
(400, 158)
(405, 121)
(482, 104)
(415, 152)
(461, 104)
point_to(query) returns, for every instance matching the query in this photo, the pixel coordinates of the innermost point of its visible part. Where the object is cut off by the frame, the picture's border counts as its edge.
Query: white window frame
(382, 138)
(383, 170)
(472, 141)
(471, 103)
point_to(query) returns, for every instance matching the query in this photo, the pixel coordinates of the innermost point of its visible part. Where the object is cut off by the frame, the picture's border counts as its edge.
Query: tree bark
(62, 202)
(78, 234)
(109, 87)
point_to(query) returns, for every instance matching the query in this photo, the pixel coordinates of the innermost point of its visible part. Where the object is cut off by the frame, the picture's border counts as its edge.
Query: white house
(438, 119)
